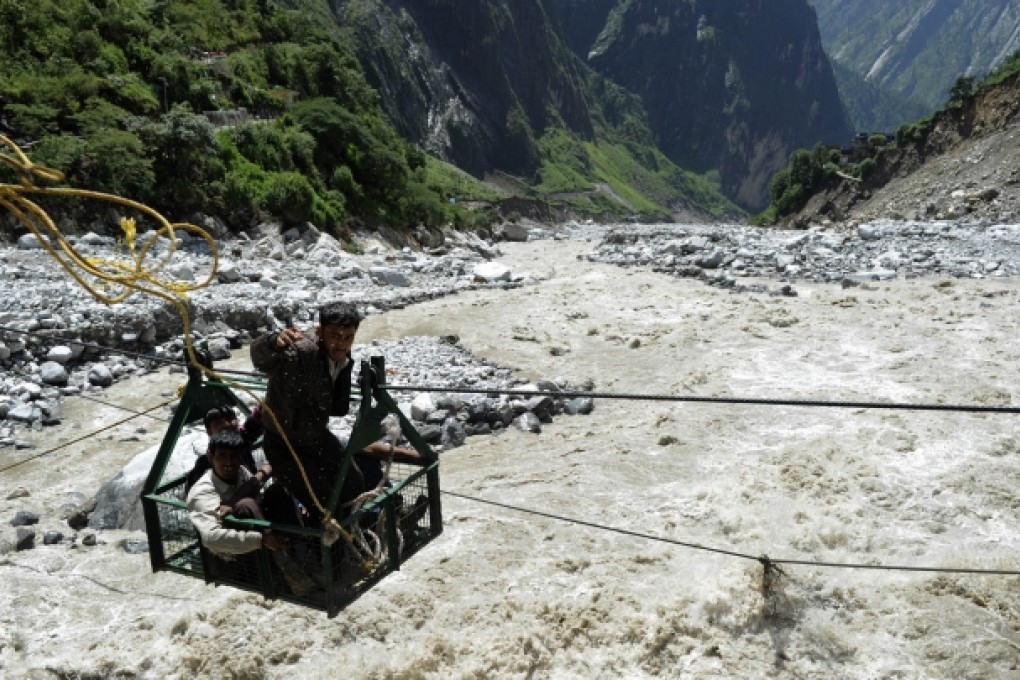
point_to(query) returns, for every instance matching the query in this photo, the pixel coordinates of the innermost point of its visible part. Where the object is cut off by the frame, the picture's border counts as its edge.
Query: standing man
(309, 381)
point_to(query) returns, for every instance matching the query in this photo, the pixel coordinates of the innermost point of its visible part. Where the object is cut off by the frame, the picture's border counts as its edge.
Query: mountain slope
(491, 87)
(463, 78)
(958, 163)
(156, 101)
(872, 107)
(732, 85)
(918, 48)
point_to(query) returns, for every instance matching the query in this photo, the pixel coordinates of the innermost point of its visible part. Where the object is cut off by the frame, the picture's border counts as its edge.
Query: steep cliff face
(918, 48)
(733, 85)
(474, 82)
(580, 21)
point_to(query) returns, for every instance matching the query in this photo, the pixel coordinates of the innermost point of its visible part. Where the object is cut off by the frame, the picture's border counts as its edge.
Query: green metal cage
(403, 518)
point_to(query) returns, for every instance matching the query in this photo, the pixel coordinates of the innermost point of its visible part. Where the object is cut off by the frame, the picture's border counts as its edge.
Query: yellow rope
(123, 278)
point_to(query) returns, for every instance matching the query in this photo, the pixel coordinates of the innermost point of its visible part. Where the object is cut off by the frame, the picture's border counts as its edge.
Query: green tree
(185, 159)
(961, 90)
(372, 151)
(114, 161)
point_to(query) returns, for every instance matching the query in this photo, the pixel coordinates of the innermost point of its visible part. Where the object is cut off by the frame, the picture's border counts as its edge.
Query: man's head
(219, 418)
(227, 449)
(338, 324)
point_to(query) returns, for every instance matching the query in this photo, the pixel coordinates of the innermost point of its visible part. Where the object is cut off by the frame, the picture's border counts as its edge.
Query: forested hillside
(227, 108)
(253, 109)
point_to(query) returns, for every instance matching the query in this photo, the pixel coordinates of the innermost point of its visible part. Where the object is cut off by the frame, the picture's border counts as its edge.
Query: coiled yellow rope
(112, 281)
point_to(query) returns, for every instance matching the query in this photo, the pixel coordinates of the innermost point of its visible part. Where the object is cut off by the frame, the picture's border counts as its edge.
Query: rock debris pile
(874, 251)
(56, 340)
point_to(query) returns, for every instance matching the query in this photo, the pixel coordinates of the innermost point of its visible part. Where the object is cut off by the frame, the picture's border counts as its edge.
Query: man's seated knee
(247, 508)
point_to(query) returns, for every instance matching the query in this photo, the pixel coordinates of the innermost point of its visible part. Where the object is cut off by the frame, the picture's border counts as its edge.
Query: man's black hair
(339, 313)
(217, 413)
(227, 439)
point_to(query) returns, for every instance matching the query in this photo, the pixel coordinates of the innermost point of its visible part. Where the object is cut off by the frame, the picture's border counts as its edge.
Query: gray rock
(491, 271)
(134, 546)
(389, 276)
(183, 271)
(421, 406)
(541, 406)
(712, 260)
(511, 231)
(448, 402)
(219, 348)
(24, 413)
(453, 434)
(24, 518)
(528, 422)
(868, 232)
(579, 406)
(78, 515)
(547, 385)
(60, 354)
(100, 375)
(473, 429)
(227, 272)
(25, 539)
(94, 239)
(52, 373)
(117, 504)
(431, 433)
(30, 242)
(52, 537)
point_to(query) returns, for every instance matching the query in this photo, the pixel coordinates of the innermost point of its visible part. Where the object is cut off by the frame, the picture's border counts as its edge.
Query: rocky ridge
(964, 168)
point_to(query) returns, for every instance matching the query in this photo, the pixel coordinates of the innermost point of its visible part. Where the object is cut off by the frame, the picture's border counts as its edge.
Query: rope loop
(111, 281)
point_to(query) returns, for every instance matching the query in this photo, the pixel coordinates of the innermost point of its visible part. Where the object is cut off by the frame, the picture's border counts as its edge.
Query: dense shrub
(865, 168)
(805, 173)
(290, 196)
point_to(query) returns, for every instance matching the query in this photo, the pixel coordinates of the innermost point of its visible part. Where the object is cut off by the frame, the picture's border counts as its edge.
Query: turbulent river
(675, 501)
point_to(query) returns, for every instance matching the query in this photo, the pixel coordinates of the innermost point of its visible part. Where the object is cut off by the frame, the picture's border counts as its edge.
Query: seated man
(220, 418)
(309, 381)
(228, 488)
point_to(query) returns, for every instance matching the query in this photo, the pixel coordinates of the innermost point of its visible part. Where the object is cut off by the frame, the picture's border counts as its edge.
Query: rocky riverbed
(507, 594)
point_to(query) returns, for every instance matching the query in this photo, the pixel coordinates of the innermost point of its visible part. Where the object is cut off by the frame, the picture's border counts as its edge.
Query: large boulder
(52, 373)
(491, 271)
(118, 503)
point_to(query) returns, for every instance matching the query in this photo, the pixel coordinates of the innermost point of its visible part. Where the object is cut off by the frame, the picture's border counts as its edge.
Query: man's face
(225, 463)
(226, 421)
(337, 340)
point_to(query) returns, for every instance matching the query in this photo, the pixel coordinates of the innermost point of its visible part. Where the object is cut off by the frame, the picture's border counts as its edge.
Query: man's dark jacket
(300, 394)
